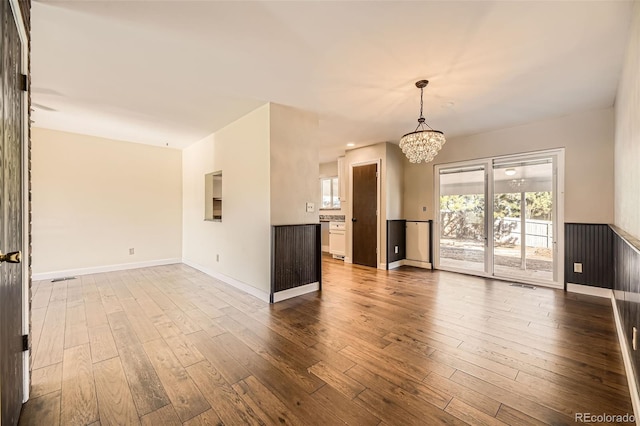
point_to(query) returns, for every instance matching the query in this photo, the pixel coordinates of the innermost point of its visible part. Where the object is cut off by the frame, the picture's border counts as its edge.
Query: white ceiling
(172, 72)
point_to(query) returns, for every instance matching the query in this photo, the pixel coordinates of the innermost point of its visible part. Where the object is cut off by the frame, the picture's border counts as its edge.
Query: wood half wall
(296, 257)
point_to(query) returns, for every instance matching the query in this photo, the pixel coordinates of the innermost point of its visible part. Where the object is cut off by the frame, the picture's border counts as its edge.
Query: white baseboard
(396, 264)
(347, 260)
(589, 290)
(628, 367)
(100, 269)
(417, 263)
(294, 292)
(255, 292)
(407, 262)
(325, 249)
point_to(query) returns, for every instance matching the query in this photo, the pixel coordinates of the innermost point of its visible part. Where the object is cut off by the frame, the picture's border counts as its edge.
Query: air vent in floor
(530, 287)
(55, 280)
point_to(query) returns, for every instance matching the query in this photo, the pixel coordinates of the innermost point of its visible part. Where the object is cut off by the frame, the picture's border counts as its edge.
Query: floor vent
(55, 280)
(530, 287)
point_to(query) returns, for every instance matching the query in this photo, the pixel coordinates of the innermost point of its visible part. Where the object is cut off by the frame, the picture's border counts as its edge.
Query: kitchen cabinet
(337, 241)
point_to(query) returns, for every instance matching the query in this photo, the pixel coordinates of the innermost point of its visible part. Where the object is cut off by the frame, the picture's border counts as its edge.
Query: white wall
(627, 138)
(94, 199)
(294, 165)
(588, 141)
(243, 239)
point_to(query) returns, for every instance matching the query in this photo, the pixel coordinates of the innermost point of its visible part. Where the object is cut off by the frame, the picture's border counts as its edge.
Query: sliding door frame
(558, 213)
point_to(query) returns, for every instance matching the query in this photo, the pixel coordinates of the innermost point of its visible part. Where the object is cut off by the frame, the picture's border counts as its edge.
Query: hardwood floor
(170, 345)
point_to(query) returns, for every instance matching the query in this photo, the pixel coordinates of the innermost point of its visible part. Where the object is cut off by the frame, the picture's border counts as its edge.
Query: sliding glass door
(462, 218)
(523, 213)
(515, 235)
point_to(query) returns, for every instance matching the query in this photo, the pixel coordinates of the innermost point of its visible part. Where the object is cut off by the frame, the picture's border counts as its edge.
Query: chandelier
(517, 184)
(423, 143)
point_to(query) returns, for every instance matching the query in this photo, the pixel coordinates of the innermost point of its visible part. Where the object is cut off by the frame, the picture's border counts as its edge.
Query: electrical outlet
(396, 248)
(634, 339)
(132, 251)
(577, 268)
(310, 207)
(217, 258)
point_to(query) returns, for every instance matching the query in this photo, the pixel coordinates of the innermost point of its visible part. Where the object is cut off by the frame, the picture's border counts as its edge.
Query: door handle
(353, 219)
(13, 257)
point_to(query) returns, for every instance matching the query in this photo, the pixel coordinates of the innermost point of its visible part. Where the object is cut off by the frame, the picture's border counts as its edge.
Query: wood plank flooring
(171, 345)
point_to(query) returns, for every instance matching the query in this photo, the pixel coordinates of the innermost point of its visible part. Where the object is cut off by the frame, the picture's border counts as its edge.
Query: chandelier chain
(424, 144)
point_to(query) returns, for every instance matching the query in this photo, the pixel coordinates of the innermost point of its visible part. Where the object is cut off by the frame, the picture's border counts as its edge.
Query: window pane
(462, 222)
(336, 193)
(326, 193)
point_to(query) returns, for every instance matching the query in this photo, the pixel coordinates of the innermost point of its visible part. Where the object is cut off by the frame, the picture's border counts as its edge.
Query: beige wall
(627, 139)
(294, 165)
(367, 154)
(394, 182)
(242, 239)
(330, 170)
(588, 141)
(94, 199)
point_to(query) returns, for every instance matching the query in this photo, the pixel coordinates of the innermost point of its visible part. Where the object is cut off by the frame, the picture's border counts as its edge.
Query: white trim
(22, 30)
(382, 266)
(416, 263)
(295, 292)
(628, 367)
(255, 292)
(407, 262)
(325, 249)
(104, 268)
(589, 290)
(26, 314)
(396, 264)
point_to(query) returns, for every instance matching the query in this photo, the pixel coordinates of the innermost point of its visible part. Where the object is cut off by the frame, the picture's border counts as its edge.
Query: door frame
(26, 255)
(349, 258)
(558, 200)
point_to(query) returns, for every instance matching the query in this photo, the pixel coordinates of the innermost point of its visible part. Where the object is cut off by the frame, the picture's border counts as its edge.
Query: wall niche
(213, 196)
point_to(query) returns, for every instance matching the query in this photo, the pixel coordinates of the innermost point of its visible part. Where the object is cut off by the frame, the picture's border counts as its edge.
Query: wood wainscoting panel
(590, 245)
(296, 256)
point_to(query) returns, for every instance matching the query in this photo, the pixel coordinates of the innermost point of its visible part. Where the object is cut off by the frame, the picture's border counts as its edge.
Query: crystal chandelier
(517, 184)
(423, 143)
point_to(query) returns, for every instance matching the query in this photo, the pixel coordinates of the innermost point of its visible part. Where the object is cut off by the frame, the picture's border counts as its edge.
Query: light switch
(311, 207)
(424, 209)
(577, 268)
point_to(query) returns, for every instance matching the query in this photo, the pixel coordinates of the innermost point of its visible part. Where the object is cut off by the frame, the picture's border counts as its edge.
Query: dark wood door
(11, 374)
(365, 217)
